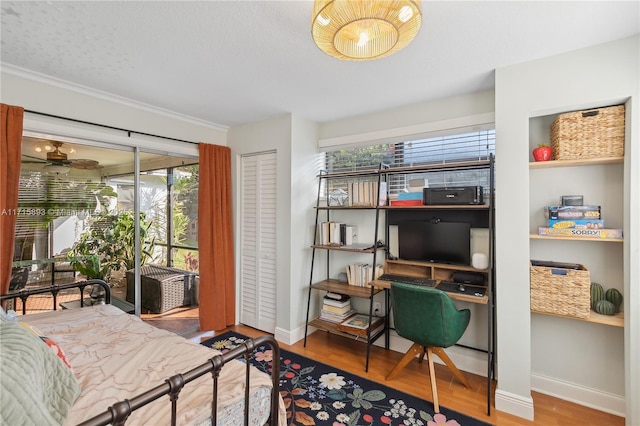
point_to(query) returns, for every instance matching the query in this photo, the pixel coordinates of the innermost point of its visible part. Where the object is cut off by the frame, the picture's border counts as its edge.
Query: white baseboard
(288, 337)
(592, 398)
(514, 404)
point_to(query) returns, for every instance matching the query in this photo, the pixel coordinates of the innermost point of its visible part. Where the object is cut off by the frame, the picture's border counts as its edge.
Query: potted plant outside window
(109, 245)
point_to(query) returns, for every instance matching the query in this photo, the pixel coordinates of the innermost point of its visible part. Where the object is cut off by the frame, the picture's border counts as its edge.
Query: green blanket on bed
(37, 388)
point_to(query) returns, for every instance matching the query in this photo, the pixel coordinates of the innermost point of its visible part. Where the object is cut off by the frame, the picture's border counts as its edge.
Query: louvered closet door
(258, 242)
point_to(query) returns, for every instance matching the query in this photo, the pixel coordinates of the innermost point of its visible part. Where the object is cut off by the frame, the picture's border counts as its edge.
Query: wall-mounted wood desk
(441, 272)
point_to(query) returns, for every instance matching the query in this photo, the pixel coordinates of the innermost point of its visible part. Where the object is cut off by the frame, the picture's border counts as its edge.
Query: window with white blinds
(454, 148)
(46, 202)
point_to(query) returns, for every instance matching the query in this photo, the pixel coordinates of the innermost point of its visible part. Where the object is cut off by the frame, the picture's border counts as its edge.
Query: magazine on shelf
(359, 325)
(359, 321)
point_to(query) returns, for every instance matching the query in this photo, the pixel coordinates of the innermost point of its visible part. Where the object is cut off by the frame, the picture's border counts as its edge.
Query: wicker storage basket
(162, 288)
(560, 289)
(594, 133)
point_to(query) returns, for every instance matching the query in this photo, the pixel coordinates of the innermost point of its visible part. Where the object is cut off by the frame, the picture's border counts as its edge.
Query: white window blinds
(469, 146)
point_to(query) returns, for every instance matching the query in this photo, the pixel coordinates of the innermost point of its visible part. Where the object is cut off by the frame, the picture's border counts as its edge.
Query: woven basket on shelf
(594, 133)
(560, 289)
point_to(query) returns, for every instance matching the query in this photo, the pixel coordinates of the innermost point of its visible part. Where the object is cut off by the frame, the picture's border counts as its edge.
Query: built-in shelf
(616, 320)
(572, 163)
(600, 240)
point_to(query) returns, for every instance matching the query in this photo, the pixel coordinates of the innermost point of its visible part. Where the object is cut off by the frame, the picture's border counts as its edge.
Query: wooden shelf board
(439, 206)
(409, 169)
(572, 163)
(481, 164)
(420, 207)
(616, 320)
(346, 248)
(346, 207)
(349, 174)
(333, 328)
(450, 266)
(602, 240)
(335, 286)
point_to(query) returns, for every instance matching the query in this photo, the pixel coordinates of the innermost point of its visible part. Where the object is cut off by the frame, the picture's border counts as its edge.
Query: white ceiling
(233, 62)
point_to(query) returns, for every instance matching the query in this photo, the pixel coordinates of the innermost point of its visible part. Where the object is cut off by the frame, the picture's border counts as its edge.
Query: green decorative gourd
(615, 297)
(604, 307)
(597, 294)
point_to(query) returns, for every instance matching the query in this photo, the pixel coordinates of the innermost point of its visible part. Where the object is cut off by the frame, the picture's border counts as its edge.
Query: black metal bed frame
(54, 290)
(118, 413)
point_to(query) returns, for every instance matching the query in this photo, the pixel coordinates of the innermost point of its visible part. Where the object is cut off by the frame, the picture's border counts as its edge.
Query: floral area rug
(319, 394)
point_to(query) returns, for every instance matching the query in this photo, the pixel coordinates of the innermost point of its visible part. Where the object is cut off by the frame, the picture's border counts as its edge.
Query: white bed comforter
(115, 355)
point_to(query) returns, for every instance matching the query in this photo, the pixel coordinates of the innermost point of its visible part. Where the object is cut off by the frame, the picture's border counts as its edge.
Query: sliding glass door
(76, 214)
(168, 200)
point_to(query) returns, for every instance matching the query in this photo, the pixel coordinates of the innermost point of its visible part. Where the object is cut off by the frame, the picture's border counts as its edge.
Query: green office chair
(427, 317)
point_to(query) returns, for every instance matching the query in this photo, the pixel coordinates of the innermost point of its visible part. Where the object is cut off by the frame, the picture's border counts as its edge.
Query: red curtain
(215, 238)
(10, 151)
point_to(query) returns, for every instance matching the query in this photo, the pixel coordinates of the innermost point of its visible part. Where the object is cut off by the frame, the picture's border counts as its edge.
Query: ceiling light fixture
(359, 30)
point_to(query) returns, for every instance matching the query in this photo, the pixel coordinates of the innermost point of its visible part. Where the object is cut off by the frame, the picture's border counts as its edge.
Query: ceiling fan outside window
(57, 161)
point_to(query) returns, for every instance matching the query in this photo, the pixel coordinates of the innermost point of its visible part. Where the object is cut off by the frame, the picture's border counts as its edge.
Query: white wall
(304, 171)
(294, 140)
(598, 76)
(411, 119)
(33, 93)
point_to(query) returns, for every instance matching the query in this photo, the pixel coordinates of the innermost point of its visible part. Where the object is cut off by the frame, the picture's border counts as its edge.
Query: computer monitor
(435, 241)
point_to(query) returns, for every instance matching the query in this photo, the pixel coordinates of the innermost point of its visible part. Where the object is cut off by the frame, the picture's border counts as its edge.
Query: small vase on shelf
(542, 152)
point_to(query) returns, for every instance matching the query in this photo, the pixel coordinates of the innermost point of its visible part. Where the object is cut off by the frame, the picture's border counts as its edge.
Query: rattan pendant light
(360, 30)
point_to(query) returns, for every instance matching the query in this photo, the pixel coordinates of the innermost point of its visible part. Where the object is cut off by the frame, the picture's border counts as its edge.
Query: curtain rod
(129, 132)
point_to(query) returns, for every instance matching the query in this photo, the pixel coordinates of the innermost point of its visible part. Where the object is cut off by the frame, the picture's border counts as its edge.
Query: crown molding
(67, 85)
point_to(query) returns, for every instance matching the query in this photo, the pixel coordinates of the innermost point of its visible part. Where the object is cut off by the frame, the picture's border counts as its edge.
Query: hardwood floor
(349, 355)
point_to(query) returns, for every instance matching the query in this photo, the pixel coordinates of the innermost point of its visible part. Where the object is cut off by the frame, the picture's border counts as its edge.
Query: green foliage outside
(109, 243)
(350, 160)
(185, 204)
(91, 266)
(184, 209)
(367, 157)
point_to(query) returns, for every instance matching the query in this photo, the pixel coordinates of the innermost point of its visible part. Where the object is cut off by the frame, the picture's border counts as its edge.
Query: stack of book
(336, 308)
(367, 194)
(337, 234)
(361, 274)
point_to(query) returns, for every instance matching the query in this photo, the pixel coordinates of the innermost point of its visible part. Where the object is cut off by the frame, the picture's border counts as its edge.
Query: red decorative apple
(542, 153)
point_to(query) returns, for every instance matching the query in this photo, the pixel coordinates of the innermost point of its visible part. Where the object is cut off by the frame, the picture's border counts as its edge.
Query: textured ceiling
(232, 62)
